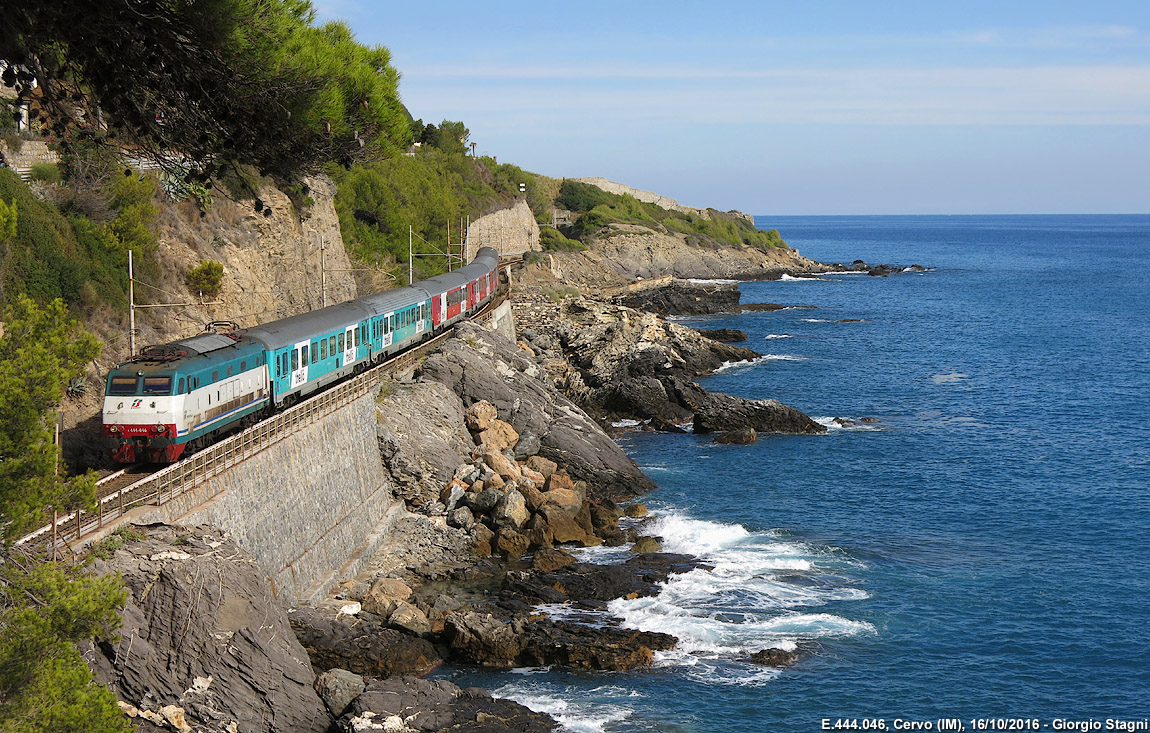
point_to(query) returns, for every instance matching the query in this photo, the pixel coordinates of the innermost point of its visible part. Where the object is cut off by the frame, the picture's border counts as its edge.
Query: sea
(981, 551)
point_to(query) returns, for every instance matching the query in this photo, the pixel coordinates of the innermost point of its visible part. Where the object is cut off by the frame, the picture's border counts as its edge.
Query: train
(173, 399)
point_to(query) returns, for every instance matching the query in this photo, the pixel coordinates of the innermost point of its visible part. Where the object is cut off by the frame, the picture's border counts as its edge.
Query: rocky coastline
(502, 455)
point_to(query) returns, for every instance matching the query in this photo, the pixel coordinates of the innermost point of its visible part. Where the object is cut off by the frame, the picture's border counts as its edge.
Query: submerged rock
(739, 436)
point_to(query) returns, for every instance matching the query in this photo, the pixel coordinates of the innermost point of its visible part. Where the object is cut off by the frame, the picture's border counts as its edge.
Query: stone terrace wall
(308, 508)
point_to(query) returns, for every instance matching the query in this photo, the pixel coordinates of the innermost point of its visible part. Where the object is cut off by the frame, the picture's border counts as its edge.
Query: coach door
(349, 345)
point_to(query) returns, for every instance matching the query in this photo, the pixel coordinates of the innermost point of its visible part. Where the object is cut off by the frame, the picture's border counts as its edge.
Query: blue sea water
(980, 551)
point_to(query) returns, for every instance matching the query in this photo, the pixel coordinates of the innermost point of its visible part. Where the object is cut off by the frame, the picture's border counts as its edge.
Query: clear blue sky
(795, 107)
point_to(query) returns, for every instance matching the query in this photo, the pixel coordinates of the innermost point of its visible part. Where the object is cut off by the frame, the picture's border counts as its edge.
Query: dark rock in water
(741, 436)
(683, 298)
(337, 688)
(202, 631)
(665, 426)
(848, 320)
(551, 559)
(760, 307)
(647, 544)
(484, 639)
(726, 335)
(775, 657)
(868, 419)
(585, 647)
(724, 413)
(363, 645)
(415, 704)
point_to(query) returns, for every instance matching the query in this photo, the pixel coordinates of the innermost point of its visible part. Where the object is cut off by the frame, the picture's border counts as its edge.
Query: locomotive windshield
(122, 385)
(158, 385)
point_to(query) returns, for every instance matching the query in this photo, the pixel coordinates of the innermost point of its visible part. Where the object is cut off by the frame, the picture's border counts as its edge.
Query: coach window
(284, 363)
(294, 359)
(314, 352)
(303, 355)
(323, 349)
(341, 342)
(331, 346)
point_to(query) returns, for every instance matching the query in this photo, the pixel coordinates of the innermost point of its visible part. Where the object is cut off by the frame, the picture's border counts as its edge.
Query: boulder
(552, 559)
(636, 511)
(511, 543)
(484, 639)
(542, 465)
(383, 596)
(485, 501)
(537, 479)
(499, 436)
(585, 647)
(407, 617)
(647, 544)
(563, 526)
(567, 500)
(511, 510)
(503, 466)
(482, 538)
(558, 480)
(460, 517)
(480, 415)
(724, 413)
(337, 688)
(533, 497)
(740, 436)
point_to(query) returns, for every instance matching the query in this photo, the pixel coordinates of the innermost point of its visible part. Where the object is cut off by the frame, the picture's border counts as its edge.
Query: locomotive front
(142, 407)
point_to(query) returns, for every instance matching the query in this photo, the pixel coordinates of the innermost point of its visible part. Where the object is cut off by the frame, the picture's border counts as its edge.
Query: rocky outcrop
(510, 231)
(682, 297)
(202, 632)
(423, 705)
(364, 644)
(724, 413)
(725, 335)
(479, 365)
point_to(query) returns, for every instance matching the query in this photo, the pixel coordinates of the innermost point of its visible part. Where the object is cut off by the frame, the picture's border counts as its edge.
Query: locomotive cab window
(158, 385)
(122, 386)
(230, 370)
(215, 375)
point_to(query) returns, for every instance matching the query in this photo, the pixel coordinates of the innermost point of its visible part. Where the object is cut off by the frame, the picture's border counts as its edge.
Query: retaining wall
(309, 507)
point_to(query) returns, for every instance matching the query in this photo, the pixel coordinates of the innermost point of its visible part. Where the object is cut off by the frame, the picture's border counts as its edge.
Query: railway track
(119, 491)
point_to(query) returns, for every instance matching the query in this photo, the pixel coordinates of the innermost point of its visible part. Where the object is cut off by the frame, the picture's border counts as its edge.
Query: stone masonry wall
(509, 231)
(305, 506)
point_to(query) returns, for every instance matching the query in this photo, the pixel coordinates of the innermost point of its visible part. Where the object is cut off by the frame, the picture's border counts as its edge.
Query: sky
(792, 108)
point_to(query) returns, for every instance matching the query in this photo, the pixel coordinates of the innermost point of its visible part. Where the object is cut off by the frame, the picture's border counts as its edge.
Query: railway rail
(123, 490)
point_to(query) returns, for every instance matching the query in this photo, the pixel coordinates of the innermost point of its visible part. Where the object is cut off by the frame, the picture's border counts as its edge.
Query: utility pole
(322, 272)
(410, 258)
(131, 307)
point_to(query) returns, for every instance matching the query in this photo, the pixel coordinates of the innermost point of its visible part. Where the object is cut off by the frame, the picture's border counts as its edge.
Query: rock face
(726, 335)
(682, 297)
(201, 631)
(363, 645)
(480, 365)
(724, 413)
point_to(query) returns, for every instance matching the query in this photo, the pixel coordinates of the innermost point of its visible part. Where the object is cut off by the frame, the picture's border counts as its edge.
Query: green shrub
(206, 278)
(552, 240)
(46, 173)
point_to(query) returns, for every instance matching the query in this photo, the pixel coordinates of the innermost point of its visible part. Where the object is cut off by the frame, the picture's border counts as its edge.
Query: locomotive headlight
(113, 428)
(160, 429)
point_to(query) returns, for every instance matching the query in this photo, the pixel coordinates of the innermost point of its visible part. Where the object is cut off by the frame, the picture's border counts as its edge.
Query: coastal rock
(412, 704)
(210, 615)
(552, 559)
(484, 639)
(725, 335)
(724, 413)
(672, 296)
(647, 544)
(775, 657)
(584, 647)
(739, 436)
(542, 465)
(499, 436)
(362, 645)
(480, 415)
(636, 511)
(383, 596)
(337, 688)
(407, 617)
(511, 510)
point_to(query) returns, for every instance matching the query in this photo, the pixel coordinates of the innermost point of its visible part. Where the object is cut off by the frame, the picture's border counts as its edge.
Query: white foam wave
(727, 365)
(833, 424)
(778, 336)
(814, 320)
(702, 281)
(582, 717)
(951, 378)
(627, 423)
(790, 278)
(757, 591)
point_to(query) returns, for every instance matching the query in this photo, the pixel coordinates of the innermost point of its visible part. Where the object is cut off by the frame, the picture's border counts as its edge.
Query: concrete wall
(309, 507)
